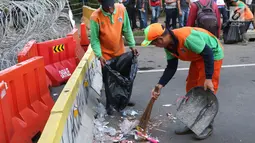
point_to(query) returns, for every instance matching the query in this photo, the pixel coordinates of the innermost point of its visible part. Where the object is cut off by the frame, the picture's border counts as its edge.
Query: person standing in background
(245, 15)
(183, 6)
(156, 6)
(171, 13)
(193, 16)
(253, 10)
(142, 10)
(222, 9)
(249, 3)
(131, 9)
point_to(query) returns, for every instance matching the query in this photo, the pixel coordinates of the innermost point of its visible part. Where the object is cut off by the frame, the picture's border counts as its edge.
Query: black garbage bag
(231, 33)
(119, 74)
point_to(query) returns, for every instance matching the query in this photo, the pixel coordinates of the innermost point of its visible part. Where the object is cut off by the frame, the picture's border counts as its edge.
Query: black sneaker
(207, 132)
(183, 131)
(109, 111)
(131, 104)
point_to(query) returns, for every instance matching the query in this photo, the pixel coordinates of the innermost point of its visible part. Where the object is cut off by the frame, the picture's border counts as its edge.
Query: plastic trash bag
(119, 74)
(231, 32)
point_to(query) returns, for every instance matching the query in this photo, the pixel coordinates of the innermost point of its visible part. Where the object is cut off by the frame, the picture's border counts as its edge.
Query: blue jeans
(155, 14)
(143, 19)
(224, 13)
(183, 19)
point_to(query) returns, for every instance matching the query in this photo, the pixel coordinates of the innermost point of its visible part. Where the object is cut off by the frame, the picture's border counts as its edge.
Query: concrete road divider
(71, 119)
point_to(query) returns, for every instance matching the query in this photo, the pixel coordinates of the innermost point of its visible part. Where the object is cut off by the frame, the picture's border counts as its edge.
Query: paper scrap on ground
(167, 105)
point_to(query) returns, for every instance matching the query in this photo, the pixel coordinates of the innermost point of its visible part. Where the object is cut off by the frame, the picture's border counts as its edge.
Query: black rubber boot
(131, 104)
(206, 133)
(183, 131)
(109, 111)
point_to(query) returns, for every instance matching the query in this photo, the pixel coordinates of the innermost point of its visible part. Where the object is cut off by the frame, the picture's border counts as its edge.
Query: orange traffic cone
(84, 36)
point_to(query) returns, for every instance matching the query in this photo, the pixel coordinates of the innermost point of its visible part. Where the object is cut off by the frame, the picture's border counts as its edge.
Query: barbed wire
(24, 20)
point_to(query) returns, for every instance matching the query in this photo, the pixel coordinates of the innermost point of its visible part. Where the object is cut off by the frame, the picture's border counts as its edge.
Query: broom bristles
(147, 114)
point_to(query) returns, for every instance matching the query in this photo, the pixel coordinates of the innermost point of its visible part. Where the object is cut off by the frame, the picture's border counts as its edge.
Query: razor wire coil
(25, 20)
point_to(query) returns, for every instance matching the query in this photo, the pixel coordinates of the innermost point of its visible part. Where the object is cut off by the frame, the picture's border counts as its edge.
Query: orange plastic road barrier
(27, 103)
(84, 36)
(29, 51)
(6, 128)
(78, 50)
(59, 57)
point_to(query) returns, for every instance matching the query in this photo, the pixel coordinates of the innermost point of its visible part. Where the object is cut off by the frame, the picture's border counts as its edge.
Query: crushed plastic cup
(171, 117)
(127, 126)
(101, 110)
(129, 113)
(111, 131)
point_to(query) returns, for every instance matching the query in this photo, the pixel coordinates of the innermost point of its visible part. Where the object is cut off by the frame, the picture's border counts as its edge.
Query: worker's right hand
(156, 91)
(102, 61)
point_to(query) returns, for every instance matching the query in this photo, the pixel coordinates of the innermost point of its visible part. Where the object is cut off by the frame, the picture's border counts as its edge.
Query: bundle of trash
(126, 132)
(119, 74)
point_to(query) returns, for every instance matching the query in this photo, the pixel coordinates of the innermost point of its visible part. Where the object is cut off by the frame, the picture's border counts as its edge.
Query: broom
(142, 127)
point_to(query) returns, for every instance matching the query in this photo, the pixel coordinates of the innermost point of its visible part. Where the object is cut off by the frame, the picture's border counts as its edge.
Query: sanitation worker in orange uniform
(108, 23)
(195, 45)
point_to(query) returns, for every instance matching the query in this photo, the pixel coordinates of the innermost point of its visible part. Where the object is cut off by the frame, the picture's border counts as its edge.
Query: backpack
(206, 17)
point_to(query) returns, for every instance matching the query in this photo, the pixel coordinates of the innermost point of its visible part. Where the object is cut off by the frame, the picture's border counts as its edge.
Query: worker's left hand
(209, 85)
(134, 51)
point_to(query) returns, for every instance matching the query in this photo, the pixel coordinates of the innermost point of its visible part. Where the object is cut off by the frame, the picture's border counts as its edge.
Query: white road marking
(185, 69)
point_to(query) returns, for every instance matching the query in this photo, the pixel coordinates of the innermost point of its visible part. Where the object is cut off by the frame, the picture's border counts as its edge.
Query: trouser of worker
(196, 76)
(243, 30)
(107, 91)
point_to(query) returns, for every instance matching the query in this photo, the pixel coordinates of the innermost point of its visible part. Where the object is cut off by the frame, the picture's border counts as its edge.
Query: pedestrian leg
(168, 16)
(153, 15)
(174, 17)
(157, 14)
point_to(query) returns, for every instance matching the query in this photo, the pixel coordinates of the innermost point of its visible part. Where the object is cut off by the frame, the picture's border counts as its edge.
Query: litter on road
(129, 113)
(160, 130)
(167, 105)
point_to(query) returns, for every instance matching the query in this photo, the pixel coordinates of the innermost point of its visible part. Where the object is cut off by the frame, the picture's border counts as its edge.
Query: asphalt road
(235, 120)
